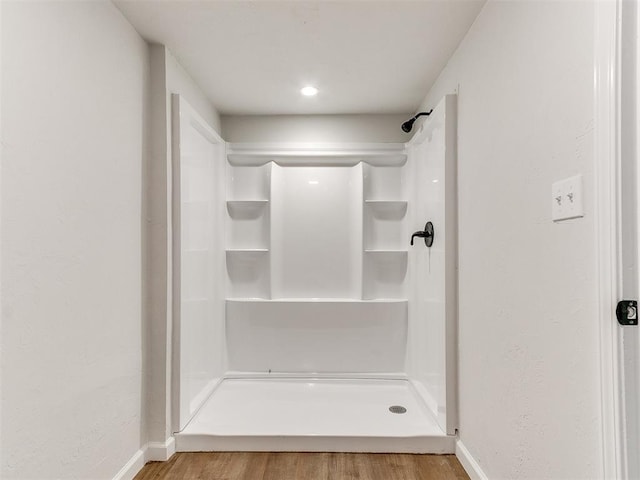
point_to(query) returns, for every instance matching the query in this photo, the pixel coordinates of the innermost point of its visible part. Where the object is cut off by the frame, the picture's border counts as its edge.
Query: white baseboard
(133, 466)
(469, 463)
(160, 451)
(151, 452)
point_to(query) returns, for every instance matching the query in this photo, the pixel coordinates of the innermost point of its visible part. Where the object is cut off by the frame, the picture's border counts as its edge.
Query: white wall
(73, 135)
(529, 361)
(179, 81)
(314, 128)
(167, 77)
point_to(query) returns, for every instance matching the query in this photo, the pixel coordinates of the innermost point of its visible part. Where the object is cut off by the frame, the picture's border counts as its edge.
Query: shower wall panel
(323, 336)
(316, 232)
(198, 262)
(248, 231)
(296, 257)
(433, 271)
(385, 232)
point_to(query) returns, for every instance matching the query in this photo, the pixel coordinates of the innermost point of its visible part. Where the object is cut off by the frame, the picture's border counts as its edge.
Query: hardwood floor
(304, 466)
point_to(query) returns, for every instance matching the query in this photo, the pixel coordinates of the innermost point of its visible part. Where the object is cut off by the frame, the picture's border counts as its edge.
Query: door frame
(607, 165)
(608, 224)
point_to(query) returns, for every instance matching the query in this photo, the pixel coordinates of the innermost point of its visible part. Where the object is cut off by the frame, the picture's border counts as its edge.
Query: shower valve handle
(420, 234)
(427, 234)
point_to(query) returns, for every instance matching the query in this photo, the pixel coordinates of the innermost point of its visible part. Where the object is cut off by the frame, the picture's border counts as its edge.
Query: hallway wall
(529, 333)
(74, 91)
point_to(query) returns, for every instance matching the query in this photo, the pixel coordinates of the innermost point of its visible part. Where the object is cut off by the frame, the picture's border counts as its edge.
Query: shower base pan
(314, 415)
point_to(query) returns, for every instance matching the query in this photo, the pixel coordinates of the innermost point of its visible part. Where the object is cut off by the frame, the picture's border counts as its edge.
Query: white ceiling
(252, 57)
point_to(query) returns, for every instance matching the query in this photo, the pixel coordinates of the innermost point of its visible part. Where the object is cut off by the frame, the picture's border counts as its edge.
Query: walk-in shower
(303, 318)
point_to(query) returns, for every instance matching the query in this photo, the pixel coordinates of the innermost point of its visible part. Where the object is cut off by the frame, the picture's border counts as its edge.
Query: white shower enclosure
(303, 318)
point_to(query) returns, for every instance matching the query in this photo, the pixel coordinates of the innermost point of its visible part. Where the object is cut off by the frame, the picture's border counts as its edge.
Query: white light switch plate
(566, 199)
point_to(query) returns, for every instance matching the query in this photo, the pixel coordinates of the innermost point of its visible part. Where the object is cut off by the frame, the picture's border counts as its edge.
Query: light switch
(566, 199)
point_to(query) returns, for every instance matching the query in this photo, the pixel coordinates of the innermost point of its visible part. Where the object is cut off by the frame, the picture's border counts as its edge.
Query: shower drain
(397, 409)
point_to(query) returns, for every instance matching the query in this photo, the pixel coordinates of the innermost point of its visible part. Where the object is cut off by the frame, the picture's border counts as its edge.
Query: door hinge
(627, 312)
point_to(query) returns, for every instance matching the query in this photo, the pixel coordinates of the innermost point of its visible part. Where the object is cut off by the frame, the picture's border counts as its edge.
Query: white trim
(470, 465)
(133, 466)
(174, 251)
(151, 452)
(235, 374)
(606, 157)
(325, 154)
(160, 451)
(315, 147)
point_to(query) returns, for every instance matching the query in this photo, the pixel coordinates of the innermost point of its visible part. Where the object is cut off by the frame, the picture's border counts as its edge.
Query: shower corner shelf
(247, 209)
(304, 154)
(387, 209)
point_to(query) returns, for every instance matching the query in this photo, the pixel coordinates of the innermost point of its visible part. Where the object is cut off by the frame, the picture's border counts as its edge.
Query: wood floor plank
(303, 466)
(312, 465)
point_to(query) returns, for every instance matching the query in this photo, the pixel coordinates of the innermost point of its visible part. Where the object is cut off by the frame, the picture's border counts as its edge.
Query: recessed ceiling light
(309, 91)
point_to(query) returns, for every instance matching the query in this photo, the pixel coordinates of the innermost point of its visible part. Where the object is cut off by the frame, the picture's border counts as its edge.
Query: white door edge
(607, 162)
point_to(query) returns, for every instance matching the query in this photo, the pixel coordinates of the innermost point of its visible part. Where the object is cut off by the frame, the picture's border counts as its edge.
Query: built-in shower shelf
(387, 209)
(316, 154)
(315, 300)
(246, 203)
(320, 159)
(248, 273)
(247, 209)
(248, 224)
(387, 203)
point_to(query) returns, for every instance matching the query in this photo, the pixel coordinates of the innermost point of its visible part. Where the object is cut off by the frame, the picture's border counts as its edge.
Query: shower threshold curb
(436, 444)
